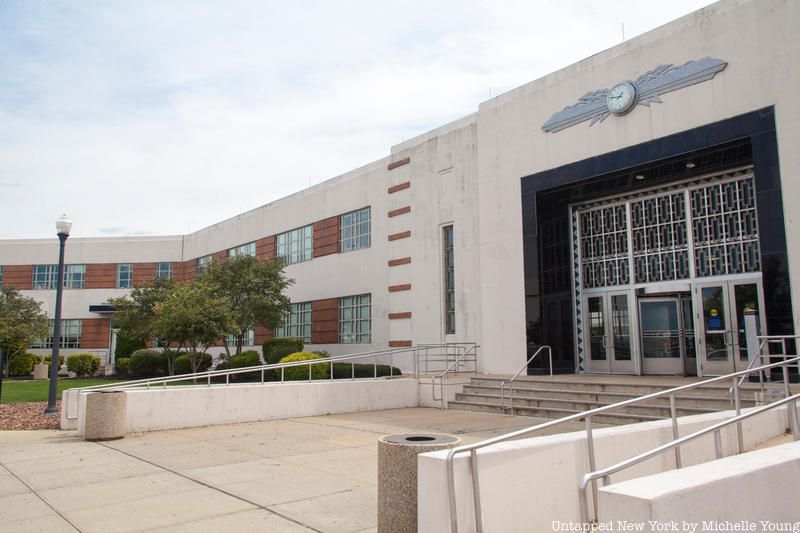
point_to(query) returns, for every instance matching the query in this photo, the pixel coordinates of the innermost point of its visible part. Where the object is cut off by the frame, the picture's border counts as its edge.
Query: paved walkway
(303, 474)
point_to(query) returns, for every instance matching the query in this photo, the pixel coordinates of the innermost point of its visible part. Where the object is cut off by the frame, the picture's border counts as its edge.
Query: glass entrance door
(609, 333)
(662, 335)
(721, 342)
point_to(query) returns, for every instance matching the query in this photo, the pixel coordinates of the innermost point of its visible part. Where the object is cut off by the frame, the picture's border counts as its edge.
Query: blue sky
(163, 117)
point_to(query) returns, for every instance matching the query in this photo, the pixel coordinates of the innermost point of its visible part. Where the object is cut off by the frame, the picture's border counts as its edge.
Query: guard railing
(510, 382)
(461, 363)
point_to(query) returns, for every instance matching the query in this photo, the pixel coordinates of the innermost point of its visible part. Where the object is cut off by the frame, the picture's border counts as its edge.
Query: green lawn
(37, 391)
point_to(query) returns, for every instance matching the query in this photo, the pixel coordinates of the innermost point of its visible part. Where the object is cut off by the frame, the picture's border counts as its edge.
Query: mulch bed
(29, 415)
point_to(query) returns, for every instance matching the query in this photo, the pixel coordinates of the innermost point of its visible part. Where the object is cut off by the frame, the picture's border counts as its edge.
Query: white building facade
(624, 210)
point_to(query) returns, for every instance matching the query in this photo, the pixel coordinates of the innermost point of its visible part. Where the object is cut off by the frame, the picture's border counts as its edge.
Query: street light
(63, 225)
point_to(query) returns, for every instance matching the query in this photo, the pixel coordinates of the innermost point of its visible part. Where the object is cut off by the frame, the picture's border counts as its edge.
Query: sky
(161, 117)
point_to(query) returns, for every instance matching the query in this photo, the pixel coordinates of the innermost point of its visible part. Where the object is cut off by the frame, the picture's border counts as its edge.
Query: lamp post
(63, 225)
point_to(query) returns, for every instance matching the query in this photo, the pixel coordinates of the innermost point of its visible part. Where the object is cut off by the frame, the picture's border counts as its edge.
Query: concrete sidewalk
(303, 474)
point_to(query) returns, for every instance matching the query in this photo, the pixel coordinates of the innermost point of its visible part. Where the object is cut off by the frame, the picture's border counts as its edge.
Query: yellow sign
(714, 312)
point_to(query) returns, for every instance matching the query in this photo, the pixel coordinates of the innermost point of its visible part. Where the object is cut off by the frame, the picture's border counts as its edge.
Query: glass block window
(46, 276)
(163, 270)
(604, 246)
(203, 263)
(296, 246)
(725, 229)
(354, 230)
(248, 339)
(124, 276)
(355, 319)
(71, 331)
(660, 246)
(245, 249)
(297, 323)
(449, 282)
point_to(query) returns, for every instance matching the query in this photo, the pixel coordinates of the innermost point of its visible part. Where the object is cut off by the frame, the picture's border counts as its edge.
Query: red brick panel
(397, 316)
(262, 334)
(144, 274)
(187, 272)
(400, 211)
(265, 248)
(18, 276)
(325, 321)
(401, 235)
(396, 188)
(94, 333)
(101, 276)
(400, 288)
(221, 255)
(399, 344)
(326, 237)
(399, 261)
(400, 163)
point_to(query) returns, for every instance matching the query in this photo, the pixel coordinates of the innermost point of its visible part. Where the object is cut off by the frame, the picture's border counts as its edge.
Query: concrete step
(549, 412)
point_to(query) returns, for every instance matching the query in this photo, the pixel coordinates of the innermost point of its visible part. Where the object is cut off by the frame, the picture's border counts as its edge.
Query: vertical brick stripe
(325, 321)
(326, 237)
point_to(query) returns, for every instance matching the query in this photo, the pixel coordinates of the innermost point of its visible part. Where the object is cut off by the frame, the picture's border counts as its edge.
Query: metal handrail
(442, 400)
(606, 473)
(587, 416)
(524, 367)
(208, 375)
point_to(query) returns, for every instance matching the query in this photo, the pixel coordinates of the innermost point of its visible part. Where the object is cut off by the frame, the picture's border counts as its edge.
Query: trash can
(397, 477)
(105, 415)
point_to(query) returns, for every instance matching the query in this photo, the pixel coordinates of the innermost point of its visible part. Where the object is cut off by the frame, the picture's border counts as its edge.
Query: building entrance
(663, 277)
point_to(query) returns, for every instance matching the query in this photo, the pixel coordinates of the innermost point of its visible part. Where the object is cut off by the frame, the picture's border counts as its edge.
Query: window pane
(354, 230)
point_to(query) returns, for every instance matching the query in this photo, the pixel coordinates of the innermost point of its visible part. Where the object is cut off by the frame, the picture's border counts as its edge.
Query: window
(71, 331)
(449, 282)
(297, 323)
(296, 246)
(1, 275)
(163, 270)
(202, 264)
(355, 319)
(245, 249)
(354, 230)
(124, 276)
(248, 339)
(46, 276)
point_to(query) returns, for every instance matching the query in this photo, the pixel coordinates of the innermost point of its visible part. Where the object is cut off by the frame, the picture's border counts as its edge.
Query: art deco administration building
(624, 210)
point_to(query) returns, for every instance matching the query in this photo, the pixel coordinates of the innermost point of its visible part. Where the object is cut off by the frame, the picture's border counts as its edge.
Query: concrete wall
(758, 488)
(528, 483)
(193, 406)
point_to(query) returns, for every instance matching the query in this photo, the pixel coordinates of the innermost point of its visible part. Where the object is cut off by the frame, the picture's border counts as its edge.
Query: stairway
(557, 397)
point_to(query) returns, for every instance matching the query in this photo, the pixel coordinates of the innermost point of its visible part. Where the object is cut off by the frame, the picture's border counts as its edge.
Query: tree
(134, 313)
(191, 316)
(255, 291)
(21, 322)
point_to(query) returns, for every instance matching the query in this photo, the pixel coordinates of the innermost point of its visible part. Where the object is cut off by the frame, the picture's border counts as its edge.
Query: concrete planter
(41, 371)
(397, 477)
(105, 415)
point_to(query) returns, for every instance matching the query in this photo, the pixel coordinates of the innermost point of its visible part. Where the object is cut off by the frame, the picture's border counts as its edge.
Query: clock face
(621, 98)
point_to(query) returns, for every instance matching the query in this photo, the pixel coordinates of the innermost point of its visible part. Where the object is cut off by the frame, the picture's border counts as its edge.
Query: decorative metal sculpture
(649, 88)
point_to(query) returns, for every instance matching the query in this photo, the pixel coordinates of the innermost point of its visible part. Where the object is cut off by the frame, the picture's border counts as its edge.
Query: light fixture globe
(63, 225)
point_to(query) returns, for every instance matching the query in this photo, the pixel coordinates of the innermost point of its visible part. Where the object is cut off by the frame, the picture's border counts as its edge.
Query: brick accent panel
(221, 255)
(401, 211)
(144, 274)
(398, 316)
(401, 235)
(325, 321)
(94, 333)
(399, 344)
(261, 335)
(18, 276)
(101, 276)
(396, 188)
(326, 237)
(400, 163)
(188, 271)
(400, 288)
(265, 249)
(399, 261)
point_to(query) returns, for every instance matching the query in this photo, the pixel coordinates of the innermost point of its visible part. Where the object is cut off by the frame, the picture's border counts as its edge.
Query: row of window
(297, 245)
(71, 332)
(45, 277)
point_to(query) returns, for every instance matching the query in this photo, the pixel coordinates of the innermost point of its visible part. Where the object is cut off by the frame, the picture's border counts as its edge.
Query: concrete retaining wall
(748, 488)
(192, 406)
(527, 484)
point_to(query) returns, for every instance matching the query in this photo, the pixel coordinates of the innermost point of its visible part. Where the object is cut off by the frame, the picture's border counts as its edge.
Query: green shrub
(123, 366)
(362, 370)
(147, 363)
(48, 358)
(127, 344)
(243, 360)
(276, 349)
(83, 364)
(21, 364)
(297, 373)
(183, 364)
